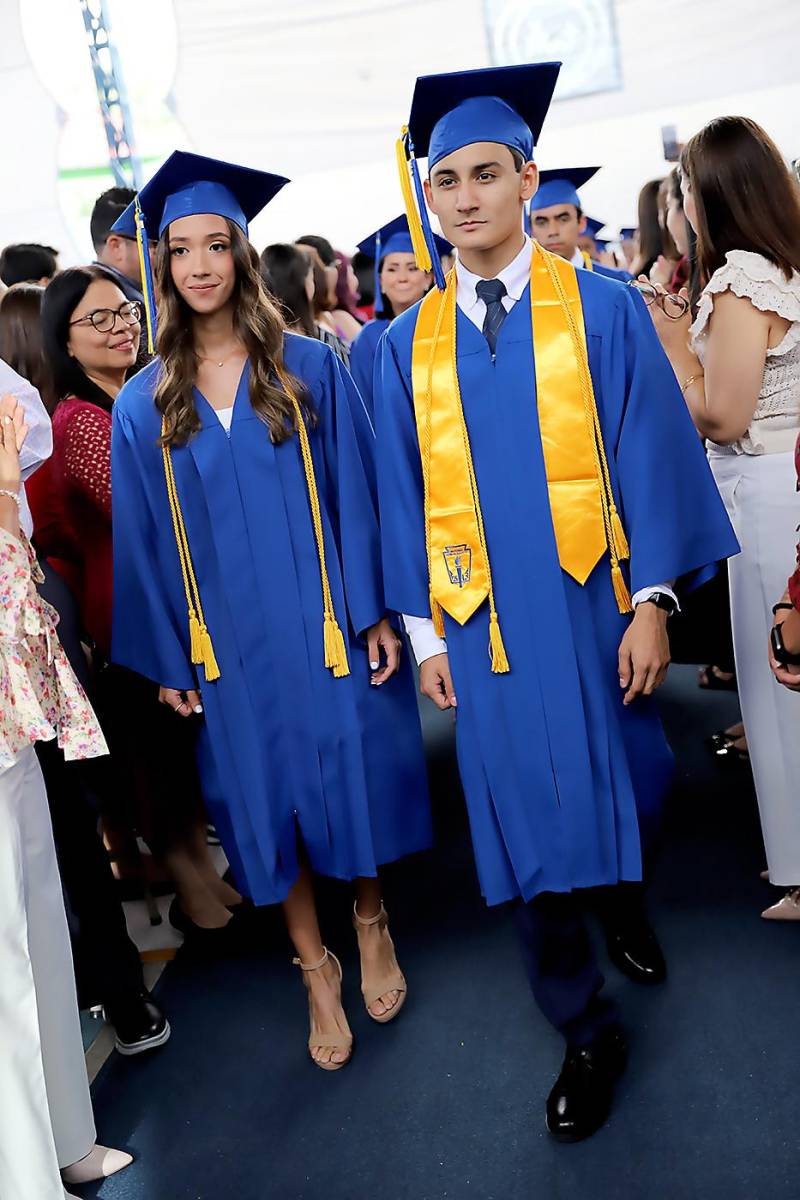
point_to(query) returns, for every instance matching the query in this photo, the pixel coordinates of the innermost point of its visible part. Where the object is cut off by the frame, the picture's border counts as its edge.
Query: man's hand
(382, 635)
(436, 682)
(185, 704)
(644, 653)
(789, 620)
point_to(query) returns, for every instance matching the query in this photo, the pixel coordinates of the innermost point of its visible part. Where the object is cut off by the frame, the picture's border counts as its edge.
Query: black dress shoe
(580, 1101)
(635, 951)
(139, 1023)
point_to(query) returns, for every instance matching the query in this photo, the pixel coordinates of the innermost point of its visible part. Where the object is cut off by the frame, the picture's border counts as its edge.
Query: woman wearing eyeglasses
(91, 335)
(739, 369)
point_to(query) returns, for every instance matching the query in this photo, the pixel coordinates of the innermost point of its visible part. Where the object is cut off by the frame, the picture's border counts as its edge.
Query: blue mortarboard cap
(188, 184)
(602, 243)
(628, 233)
(593, 226)
(561, 186)
(496, 104)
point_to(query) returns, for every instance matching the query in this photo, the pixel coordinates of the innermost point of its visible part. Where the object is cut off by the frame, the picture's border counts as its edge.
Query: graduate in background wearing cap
(557, 220)
(532, 496)
(248, 584)
(399, 283)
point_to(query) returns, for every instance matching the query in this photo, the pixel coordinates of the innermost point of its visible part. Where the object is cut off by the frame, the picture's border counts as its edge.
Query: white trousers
(760, 494)
(45, 1110)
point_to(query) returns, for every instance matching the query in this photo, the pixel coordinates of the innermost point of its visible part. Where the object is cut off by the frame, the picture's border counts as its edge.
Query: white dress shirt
(424, 640)
(39, 442)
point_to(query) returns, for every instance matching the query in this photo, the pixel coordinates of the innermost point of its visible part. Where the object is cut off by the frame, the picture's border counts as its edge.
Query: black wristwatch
(662, 601)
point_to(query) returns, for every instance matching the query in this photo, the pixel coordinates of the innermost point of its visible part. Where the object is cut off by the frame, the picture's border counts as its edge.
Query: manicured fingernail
(198, 708)
(374, 666)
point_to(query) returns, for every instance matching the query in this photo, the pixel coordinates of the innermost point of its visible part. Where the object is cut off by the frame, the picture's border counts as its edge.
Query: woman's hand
(662, 271)
(185, 704)
(383, 636)
(13, 432)
(789, 621)
(673, 334)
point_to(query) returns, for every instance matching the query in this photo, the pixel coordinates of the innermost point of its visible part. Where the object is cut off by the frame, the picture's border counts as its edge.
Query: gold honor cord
(201, 646)
(585, 518)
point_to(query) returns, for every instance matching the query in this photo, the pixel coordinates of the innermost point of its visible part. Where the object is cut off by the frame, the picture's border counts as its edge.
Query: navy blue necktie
(491, 292)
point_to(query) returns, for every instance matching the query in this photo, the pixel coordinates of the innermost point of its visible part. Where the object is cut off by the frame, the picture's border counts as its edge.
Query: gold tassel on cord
(500, 665)
(335, 652)
(207, 656)
(421, 252)
(195, 650)
(621, 592)
(620, 541)
(438, 618)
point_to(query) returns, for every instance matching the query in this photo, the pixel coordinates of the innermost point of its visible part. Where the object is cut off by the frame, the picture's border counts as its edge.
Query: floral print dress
(40, 698)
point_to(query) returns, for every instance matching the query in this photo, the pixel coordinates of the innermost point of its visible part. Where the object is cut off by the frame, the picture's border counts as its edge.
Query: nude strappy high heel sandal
(318, 1040)
(392, 980)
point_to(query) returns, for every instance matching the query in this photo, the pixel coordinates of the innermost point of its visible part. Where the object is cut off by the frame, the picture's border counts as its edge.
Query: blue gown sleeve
(362, 360)
(150, 628)
(347, 446)
(400, 490)
(673, 514)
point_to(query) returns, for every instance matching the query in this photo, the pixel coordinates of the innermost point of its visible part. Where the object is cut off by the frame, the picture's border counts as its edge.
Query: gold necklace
(217, 362)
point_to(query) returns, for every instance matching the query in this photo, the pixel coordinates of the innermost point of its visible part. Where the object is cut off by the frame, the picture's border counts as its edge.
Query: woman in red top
(91, 338)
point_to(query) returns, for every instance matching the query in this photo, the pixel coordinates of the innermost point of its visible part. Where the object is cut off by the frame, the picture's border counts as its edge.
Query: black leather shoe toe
(581, 1098)
(635, 951)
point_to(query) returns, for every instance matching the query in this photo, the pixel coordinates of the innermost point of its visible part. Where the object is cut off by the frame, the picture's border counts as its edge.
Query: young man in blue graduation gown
(509, 477)
(399, 284)
(557, 219)
(247, 583)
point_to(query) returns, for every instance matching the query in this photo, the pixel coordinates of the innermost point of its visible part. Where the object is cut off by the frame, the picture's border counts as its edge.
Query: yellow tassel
(497, 649)
(194, 638)
(335, 652)
(421, 252)
(438, 617)
(207, 656)
(620, 541)
(621, 592)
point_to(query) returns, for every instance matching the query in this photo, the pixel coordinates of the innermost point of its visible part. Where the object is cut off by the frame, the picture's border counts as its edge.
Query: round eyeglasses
(104, 319)
(671, 305)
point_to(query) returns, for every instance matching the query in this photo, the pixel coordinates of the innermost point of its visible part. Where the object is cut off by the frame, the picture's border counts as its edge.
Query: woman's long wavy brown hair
(745, 196)
(259, 326)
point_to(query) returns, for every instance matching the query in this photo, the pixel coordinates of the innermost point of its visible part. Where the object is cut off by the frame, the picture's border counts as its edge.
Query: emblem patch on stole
(458, 560)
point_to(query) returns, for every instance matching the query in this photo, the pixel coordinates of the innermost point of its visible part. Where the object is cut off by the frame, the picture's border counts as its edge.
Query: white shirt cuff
(425, 642)
(658, 589)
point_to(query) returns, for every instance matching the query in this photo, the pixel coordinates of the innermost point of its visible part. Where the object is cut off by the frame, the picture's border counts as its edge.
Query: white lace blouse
(776, 421)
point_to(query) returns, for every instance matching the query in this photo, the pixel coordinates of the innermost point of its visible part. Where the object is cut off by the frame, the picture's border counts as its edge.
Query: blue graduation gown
(362, 357)
(557, 773)
(284, 745)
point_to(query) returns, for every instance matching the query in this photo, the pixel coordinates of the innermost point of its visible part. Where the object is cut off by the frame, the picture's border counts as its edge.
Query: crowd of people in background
(715, 256)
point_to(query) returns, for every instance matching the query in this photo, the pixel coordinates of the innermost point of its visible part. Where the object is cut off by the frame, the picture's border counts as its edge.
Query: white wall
(317, 90)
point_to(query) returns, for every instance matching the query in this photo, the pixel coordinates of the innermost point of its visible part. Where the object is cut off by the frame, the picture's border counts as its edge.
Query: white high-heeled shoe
(787, 908)
(99, 1163)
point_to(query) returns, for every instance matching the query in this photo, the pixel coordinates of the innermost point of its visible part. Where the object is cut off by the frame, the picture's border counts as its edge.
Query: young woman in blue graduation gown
(302, 770)
(399, 284)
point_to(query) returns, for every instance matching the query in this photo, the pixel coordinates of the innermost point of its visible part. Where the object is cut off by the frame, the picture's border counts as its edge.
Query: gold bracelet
(692, 379)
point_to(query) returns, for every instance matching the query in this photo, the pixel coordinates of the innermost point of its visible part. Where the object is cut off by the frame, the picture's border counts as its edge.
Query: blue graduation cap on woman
(496, 104)
(561, 186)
(628, 233)
(185, 186)
(394, 238)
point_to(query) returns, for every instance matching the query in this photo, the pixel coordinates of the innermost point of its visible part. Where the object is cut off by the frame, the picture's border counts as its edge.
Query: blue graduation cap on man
(559, 190)
(493, 104)
(187, 185)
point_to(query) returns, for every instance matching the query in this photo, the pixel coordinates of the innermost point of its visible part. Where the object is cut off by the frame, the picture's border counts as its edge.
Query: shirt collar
(578, 260)
(515, 276)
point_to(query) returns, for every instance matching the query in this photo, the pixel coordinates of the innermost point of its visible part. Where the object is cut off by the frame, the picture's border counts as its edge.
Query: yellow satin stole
(585, 518)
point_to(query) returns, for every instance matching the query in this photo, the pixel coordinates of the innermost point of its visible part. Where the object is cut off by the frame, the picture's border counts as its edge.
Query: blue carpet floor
(448, 1103)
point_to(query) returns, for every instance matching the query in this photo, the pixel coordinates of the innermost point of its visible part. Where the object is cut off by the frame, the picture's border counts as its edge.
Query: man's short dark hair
(107, 208)
(518, 157)
(27, 262)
